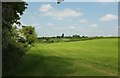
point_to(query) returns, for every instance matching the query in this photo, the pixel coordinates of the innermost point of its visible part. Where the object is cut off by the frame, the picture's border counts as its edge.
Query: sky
(70, 18)
(73, 0)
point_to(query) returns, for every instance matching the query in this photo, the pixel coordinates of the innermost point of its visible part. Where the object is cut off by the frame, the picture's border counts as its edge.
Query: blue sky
(82, 18)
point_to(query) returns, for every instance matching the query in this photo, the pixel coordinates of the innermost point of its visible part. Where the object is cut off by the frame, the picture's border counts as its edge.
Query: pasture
(97, 57)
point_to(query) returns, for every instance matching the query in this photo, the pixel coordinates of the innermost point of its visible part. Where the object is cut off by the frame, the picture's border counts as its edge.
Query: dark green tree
(76, 36)
(62, 35)
(12, 51)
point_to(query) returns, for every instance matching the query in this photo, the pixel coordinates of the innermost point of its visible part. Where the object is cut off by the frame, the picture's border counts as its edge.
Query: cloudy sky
(82, 18)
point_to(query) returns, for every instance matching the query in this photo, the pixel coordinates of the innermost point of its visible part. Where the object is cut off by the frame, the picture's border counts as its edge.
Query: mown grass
(97, 57)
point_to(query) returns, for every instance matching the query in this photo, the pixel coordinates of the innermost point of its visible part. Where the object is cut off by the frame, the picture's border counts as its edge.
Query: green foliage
(29, 34)
(62, 35)
(77, 36)
(12, 51)
(63, 39)
(69, 39)
(11, 12)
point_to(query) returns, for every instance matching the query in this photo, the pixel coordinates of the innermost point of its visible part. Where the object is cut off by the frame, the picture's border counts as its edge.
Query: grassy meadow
(97, 57)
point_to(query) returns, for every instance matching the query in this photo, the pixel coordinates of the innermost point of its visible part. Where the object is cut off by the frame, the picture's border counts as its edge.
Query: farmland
(97, 57)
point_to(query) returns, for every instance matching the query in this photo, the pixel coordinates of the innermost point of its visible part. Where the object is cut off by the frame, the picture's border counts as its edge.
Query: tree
(28, 34)
(62, 35)
(47, 39)
(76, 36)
(12, 51)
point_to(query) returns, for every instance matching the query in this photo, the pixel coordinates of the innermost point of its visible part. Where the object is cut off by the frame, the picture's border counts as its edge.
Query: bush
(12, 55)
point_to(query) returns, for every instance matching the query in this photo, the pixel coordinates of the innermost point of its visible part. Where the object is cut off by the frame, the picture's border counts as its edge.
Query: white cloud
(45, 8)
(60, 14)
(83, 21)
(94, 25)
(50, 24)
(72, 27)
(106, 0)
(108, 17)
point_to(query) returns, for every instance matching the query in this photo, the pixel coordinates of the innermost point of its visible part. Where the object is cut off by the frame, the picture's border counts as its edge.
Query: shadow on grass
(38, 65)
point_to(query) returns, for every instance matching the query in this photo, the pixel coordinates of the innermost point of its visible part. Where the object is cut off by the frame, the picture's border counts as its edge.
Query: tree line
(15, 42)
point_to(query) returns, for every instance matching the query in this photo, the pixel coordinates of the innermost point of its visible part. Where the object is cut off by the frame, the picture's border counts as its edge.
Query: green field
(98, 57)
